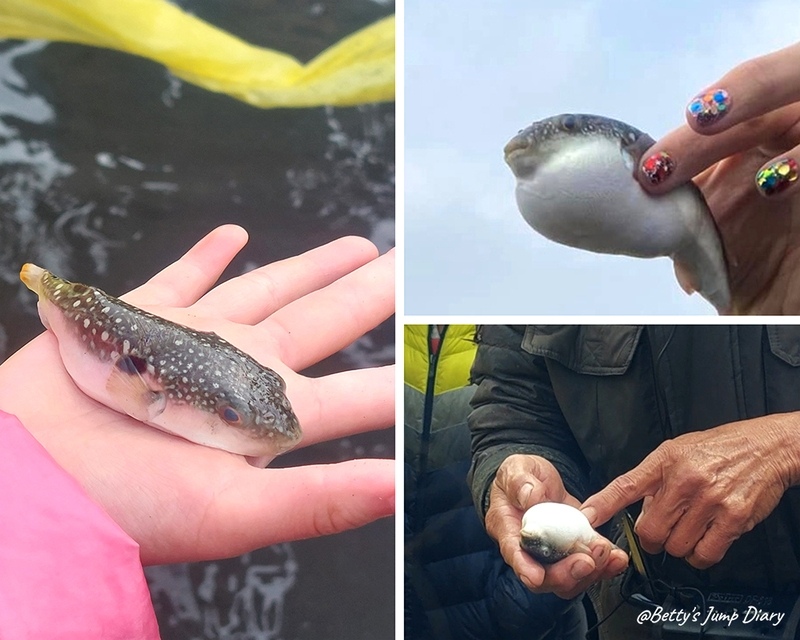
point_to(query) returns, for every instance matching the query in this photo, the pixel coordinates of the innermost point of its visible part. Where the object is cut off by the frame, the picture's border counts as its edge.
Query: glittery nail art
(777, 176)
(658, 167)
(709, 107)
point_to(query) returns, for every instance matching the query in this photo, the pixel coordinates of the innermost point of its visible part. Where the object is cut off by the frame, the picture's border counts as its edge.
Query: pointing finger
(623, 491)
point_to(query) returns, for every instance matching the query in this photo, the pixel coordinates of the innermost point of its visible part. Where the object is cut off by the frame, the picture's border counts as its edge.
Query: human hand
(184, 502)
(724, 153)
(702, 490)
(521, 482)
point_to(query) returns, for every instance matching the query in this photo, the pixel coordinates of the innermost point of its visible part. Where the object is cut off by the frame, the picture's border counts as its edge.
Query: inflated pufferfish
(186, 382)
(576, 186)
(551, 531)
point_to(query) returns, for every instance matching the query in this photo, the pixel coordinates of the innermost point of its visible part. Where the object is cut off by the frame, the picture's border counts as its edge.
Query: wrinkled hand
(181, 501)
(521, 482)
(704, 489)
(761, 125)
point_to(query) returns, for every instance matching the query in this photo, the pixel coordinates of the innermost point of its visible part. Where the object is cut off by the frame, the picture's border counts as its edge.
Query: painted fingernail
(658, 167)
(709, 107)
(580, 570)
(777, 176)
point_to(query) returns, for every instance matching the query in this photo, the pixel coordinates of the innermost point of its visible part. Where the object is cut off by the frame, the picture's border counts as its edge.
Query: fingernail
(658, 167)
(525, 494)
(590, 513)
(617, 566)
(580, 570)
(777, 176)
(709, 107)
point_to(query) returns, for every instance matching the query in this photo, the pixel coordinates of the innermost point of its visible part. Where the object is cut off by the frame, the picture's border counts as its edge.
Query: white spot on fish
(105, 309)
(126, 347)
(104, 336)
(86, 323)
(77, 303)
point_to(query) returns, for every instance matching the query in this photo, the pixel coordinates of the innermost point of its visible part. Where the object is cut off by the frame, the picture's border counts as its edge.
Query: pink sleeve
(67, 570)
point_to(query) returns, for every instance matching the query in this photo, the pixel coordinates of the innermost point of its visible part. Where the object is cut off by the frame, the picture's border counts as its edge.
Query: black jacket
(595, 400)
(457, 586)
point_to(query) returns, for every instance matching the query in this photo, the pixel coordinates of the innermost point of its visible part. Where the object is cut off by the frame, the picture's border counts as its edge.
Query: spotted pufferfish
(188, 383)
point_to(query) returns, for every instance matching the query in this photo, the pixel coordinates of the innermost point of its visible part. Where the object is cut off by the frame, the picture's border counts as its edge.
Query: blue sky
(477, 72)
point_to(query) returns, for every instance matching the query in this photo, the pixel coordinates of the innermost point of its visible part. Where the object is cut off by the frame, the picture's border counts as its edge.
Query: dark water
(110, 169)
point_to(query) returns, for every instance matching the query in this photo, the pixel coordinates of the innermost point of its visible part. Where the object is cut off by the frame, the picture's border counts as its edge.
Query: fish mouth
(518, 154)
(518, 145)
(31, 275)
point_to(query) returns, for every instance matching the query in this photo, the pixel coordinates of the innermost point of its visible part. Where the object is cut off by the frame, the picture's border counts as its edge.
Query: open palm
(184, 502)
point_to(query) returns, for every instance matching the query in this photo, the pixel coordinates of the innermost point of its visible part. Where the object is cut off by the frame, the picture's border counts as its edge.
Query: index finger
(622, 491)
(749, 90)
(185, 280)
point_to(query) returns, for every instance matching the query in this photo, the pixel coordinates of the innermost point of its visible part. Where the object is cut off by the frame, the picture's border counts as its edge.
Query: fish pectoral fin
(259, 462)
(135, 396)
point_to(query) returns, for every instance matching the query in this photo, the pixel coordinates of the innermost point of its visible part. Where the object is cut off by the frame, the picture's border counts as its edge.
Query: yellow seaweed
(359, 68)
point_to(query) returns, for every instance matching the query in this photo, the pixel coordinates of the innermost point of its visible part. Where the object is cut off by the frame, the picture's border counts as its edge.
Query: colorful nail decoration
(658, 167)
(777, 176)
(709, 107)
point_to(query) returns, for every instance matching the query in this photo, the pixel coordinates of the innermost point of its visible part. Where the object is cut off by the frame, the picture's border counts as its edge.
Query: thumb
(621, 492)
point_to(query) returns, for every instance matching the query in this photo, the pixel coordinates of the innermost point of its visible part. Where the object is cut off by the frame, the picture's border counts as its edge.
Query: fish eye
(568, 122)
(229, 415)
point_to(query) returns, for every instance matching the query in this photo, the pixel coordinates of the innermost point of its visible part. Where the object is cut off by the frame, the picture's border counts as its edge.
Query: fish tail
(32, 275)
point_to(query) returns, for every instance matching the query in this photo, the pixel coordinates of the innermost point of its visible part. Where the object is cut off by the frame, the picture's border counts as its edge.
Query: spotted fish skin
(576, 186)
(190, 383)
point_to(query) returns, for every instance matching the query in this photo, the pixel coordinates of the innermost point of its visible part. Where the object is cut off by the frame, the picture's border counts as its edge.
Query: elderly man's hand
(521, 482)
(704, 489)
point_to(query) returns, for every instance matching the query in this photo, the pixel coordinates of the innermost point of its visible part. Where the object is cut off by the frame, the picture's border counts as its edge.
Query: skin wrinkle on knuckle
(623, 486)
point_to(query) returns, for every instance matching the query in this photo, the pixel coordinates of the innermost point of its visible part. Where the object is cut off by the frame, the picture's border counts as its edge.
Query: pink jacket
(67, 570)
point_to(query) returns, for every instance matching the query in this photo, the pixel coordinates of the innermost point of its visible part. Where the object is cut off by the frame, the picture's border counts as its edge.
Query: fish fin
(259, 461)
(684, 276)
(136, 397)
(632, 152)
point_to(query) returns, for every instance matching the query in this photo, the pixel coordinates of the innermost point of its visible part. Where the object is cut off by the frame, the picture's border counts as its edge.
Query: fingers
(684, 153)
(712, 547)
(323, 322)
(183, 282)
(752, 89)
(277, 505)
(251, 297)
(344, 404)
(623, 490)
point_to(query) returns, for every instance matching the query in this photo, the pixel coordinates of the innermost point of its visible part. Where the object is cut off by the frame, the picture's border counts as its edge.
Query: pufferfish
(188, 383)
(551, 531)
(576, 186)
